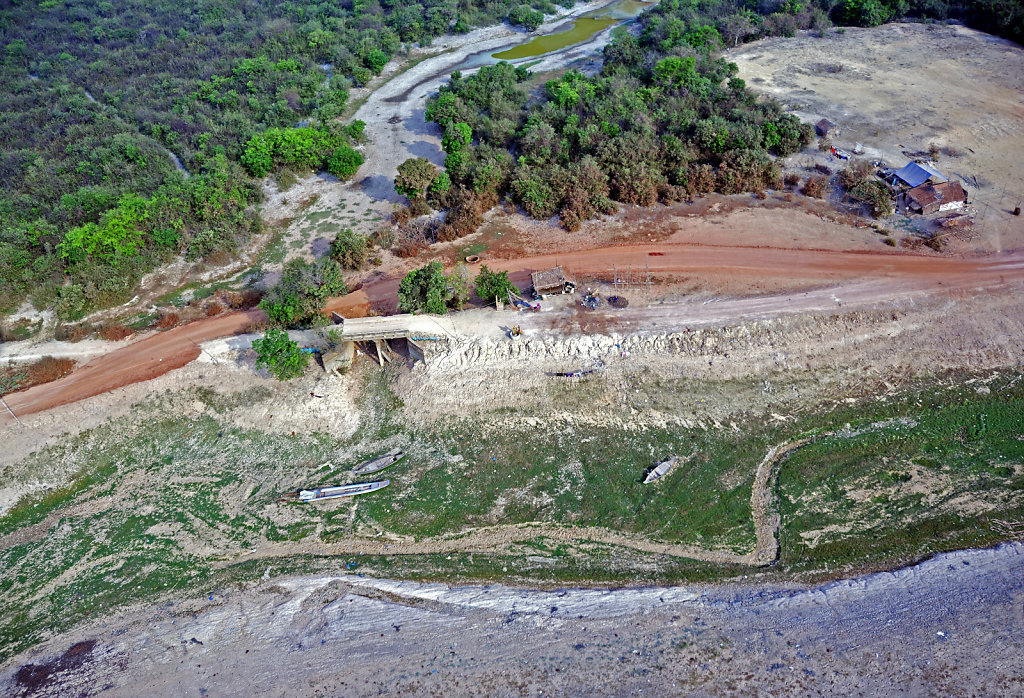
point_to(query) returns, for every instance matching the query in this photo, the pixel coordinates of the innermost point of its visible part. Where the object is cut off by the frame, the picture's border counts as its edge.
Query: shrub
(401, 215)
(856, 173)
(383, 236)
(72, 333)
(410, 248)
(167, 320)
(465, 216)
(414, 176)
(350, 250)
(460, 284)
(815, 186)
(355, 130)
(297, 298)
(876, 195)
(114, 332)
(525, 17)
(47, 369)
(280, 355)
(424, 290)
(344, 162)
(419, 207)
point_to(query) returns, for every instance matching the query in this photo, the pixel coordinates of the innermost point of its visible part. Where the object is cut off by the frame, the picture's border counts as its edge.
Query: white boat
(340, 491)
(379, 463)
(660, 470)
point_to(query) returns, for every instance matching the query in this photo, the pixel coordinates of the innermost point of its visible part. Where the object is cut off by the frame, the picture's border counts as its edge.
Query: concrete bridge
(414, 329)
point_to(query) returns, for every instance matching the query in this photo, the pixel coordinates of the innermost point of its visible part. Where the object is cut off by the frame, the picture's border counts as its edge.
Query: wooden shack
(551, 281)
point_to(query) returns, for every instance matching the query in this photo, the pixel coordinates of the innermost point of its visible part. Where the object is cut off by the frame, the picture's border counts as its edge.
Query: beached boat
(660, 470)
(335, 492)
(379, 463)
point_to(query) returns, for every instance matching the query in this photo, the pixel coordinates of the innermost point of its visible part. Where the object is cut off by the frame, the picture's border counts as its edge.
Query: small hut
(551, 281)
(826, 129)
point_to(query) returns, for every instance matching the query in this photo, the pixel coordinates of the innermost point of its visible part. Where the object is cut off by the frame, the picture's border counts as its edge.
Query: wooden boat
(379, 463)
(335, 492)
(660, 470)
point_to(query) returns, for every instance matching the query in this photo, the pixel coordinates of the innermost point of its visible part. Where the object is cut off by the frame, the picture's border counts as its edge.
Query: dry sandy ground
(900, 88)
(949, 626)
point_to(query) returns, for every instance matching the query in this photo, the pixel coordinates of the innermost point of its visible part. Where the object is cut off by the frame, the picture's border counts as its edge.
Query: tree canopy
(282, 357)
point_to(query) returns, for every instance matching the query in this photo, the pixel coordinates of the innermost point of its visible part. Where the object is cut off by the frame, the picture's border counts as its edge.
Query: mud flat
(948, 626)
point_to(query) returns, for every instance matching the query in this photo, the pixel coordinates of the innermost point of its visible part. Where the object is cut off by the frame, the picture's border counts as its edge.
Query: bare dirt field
(900, 88)
(949, 626)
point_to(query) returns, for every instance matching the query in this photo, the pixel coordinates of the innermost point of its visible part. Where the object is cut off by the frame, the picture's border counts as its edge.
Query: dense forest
(100, 101)
(666, 117)
(130, 132)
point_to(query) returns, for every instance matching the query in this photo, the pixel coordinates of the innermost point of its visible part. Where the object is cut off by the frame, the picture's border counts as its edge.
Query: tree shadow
(417, 123)
(380, 188)
(428, 150)
(320, 247)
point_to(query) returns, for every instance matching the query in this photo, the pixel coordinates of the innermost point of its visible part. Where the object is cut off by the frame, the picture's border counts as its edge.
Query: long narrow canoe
(660, 470)
(379, 463)
(335, 492)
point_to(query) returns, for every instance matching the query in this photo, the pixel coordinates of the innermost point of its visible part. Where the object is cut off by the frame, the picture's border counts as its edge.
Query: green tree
(456, 138)
(344, 162)
(864, 13)
(282, 357)
(424, 290)
(414, 176)
(493, 285)
(460, 284)
(299, 296)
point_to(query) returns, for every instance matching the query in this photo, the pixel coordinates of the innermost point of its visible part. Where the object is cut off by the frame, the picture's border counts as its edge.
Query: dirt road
(141, 361)
(861, 278)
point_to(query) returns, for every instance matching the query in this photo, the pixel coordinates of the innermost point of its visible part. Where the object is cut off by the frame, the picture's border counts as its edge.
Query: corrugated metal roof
(916, 174)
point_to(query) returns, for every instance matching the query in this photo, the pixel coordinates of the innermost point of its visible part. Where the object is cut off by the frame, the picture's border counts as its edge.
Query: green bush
(299, 296)
(282, 357)
(414, 177)
(424, 290)
(344, 162)
(492, 285)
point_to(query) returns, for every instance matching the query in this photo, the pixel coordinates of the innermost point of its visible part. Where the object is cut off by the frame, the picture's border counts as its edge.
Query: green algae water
(583, 28)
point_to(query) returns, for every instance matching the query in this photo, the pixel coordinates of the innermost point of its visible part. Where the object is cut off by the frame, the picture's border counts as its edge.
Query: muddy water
(582, 29)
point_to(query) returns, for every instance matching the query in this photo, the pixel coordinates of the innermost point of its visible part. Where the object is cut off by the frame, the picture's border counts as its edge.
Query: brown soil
(750, 270)
(148, 358)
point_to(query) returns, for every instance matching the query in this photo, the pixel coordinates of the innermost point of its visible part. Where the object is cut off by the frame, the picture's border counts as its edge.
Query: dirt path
(880, 277)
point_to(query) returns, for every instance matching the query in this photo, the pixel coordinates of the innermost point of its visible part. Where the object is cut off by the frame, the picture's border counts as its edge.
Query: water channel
(583, 28)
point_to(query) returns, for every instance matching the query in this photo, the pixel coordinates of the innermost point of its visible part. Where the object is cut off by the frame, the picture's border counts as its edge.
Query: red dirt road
(140, 361)
(163, 352)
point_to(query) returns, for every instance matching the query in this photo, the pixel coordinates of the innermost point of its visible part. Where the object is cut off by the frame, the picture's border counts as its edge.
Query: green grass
(195, 291)
(162, 508)
(901, 492)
